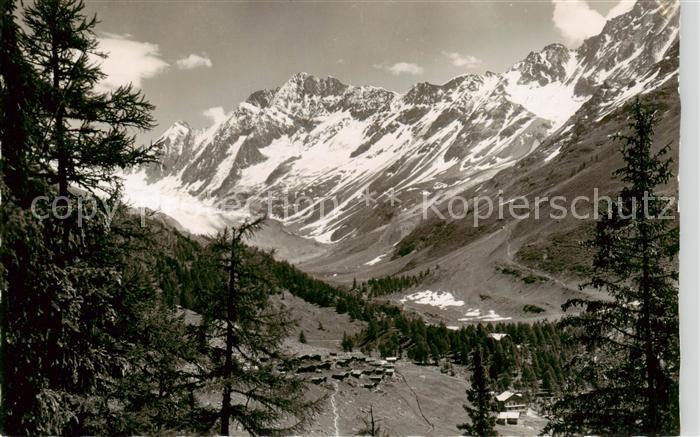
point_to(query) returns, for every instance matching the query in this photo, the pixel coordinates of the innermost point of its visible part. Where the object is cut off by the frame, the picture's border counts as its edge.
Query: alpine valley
(357, 181)
(336, 259)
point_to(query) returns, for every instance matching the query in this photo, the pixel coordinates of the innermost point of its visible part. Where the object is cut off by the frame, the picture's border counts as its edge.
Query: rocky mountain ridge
(321, 146)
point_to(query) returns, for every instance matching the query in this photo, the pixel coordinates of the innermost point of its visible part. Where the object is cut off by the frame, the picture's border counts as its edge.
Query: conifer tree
(246, 332)
(16, 104)
(480, 406)
(157, 395)
(89, 134)
(61, 348)
(630, 363)
(19, 101)
(347, 343)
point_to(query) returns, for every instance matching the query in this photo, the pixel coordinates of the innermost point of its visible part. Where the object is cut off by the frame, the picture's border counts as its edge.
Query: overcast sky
(196, 60)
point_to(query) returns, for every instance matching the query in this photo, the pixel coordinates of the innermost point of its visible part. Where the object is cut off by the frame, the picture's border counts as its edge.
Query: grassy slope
(470, 257)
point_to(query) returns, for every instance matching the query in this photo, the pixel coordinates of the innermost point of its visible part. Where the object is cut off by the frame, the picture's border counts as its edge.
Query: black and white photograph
(344, 218)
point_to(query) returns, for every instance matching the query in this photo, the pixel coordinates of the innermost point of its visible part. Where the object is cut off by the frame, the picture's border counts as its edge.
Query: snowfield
(474, 314)
(440, 299)
(328, 141)
(375, 260)
(195, 215)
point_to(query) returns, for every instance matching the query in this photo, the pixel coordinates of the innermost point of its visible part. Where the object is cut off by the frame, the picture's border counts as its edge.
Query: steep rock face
(322, 144)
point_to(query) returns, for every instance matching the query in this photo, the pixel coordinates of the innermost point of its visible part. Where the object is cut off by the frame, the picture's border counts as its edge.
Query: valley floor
(415, 400)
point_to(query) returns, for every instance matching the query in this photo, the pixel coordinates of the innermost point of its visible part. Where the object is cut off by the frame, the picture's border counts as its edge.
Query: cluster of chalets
(353, 367)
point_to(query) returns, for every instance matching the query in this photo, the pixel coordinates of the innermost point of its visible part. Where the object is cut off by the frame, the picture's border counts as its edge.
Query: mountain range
(345, 172)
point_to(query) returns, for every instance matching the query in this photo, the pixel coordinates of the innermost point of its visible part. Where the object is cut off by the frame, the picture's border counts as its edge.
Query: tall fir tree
(61, 345)
(480, 406)
(629, 366)
(19, 93)
(16, 101)
(246, 331)
(89, 133)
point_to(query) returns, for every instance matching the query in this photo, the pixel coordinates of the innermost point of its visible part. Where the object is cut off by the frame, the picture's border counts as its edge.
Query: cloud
(216, 114)
(576, 20)
(621, 8)
(193, 61)
(128, 61)
(401, 68)
(459, 60)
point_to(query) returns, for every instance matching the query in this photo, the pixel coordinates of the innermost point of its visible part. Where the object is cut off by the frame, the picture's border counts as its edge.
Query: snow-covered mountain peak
(173, 138)
(546, 66)
(328, 141)
(631, 42)
(262, 98)
(305, 95)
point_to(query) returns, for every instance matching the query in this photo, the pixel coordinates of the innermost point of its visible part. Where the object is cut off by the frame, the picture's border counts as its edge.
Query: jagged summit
(262, 98)
(322, 138)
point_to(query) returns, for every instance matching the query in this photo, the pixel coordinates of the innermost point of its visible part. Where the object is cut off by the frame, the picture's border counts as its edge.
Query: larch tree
(64, 294)
(17, 103)
(89, 133)
(480, 406)
(245, 331)
(628, 368)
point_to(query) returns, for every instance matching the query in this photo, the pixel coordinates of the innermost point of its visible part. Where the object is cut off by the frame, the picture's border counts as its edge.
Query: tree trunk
(228, 364)
(58, 128)
(649, 358)
(59, 137)
(647, 332)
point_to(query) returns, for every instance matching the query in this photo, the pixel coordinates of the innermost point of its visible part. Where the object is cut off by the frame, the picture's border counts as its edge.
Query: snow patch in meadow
(474, 314)
(375, 260)
(440, 299)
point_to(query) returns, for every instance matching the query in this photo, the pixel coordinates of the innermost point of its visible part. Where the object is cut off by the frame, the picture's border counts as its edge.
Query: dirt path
(335, 409)
(510, 258)
(432, 427)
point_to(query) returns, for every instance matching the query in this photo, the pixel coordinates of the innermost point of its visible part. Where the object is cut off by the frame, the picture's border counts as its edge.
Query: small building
(508, 418)
(392, 359)
(306, 369)
(340, 376)
(370, 385)
(509, 401)
(498, 336)
(356, 373)
(542, 393)
(389, 372)
(318, 379)
(376, 378)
